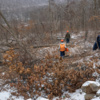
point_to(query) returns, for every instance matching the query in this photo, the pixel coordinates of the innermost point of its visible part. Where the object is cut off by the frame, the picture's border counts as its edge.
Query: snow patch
(95, 74)
(3, 73)
(74, 51)
(4, 95)
(98, 98)
(74, 37)
(29, 99)
(41, 98)
(94, 66)
(98, 92)
(78, 61)
(97, 55)
(88, 44)
(98, 62)
(78, 95)
(90, 82)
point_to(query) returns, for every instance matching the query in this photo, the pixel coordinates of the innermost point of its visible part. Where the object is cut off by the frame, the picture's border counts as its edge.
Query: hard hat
(67, 31)
(62, 40)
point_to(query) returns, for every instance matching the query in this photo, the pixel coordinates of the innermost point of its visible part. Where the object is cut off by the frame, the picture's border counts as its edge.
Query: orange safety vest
(62, 47)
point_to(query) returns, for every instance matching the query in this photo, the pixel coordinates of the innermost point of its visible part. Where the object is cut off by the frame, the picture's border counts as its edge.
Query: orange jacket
(62, 47)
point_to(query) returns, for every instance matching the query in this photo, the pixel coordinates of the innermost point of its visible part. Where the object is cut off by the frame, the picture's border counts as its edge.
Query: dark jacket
(67, 36)
(97, 43)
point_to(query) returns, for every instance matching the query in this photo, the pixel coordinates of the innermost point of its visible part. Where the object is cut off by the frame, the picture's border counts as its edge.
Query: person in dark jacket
(97, 43)
(67, 37)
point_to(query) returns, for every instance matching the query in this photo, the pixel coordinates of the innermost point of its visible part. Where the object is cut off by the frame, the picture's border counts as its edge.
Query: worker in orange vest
(62, 48)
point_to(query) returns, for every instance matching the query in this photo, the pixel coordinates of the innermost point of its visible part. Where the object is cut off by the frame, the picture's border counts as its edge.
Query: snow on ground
(74, 36)
(42, 52)
(1, 81)
(78, 61)
(78, 95)
(41, 98)
(95, 74)
(88, 44)
(98, 98)
(89, 82)
(98, 92)
(74, 50)
(6, 93)
(98, 62)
